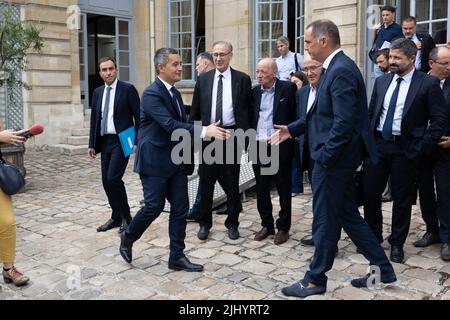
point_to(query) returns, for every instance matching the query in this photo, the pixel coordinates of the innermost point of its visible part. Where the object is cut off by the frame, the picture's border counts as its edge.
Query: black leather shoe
(125, 248)
(124, 225)
(301, 290)
(222, 211)
(183, 263)
(110, 224)
(307, 241)
(445, 252)
(203, 233)
(362, 282)
(192, 216)
(233, 233)
(427, 239)
(397, 254)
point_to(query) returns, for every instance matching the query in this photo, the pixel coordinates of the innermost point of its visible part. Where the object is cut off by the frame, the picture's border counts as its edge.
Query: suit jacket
(338, 123)
(283, 111)
(126, 112)
(301, 158)
(427, 45)
(241, 91)
(446, 91)
(424, 114)
(159, 119)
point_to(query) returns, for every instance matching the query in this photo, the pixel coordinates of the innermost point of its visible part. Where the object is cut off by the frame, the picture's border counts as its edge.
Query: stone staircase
(77, 142)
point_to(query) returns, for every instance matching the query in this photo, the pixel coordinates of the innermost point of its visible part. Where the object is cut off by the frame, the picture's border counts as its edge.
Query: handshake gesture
(214, 131)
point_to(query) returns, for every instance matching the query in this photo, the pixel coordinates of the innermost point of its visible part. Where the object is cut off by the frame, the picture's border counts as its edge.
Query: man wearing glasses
(221, 95)
(437, 166)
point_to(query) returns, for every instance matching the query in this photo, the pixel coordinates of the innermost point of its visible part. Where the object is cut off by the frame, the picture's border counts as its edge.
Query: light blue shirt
(402, 93)
(265, 120)
(286, 64)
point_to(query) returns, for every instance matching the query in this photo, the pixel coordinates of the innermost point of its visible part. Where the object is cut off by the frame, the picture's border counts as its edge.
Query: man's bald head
(266, 72)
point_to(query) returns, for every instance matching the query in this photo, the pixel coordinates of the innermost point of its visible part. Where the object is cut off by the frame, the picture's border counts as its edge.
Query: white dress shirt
(227, 99)
(265, 129)
(327, 61)
(311, 98)
(403, 92)
(110, 128)
(418, 63)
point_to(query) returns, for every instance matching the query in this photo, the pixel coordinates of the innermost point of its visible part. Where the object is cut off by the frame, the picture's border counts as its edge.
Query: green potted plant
(17, 39)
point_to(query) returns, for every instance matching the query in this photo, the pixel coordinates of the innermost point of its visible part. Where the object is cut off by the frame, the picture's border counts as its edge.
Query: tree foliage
(16, 40)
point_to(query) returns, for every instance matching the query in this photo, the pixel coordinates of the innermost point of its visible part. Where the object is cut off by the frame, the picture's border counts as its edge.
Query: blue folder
(127, 139)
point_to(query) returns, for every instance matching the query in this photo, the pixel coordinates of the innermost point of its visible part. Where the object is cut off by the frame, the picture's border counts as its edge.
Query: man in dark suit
(115, 108)
(338, 134)
(436, 167)
(424, 43)
(407, 114)
(224, 95)
(273, 102)
(305, 99)
(162, 113)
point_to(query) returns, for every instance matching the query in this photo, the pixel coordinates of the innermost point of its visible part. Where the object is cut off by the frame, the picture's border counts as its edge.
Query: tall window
(432, 16)
(299, 25)
(182, 34)
(270, 23)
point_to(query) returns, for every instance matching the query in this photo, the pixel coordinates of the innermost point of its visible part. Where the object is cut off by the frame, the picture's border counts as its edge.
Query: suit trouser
(156, 190)
(334, 207)
(228, 171)
(114, 164)
(392, 162)
(427, 194)
(442, 176)
(263, 199)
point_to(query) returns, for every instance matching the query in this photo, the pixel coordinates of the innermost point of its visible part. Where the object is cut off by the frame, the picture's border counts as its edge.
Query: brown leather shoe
(281, 237)
(15, 276)
(263, 233)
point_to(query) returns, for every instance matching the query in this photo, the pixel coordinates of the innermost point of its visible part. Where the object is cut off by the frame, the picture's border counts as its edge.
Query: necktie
(219, 107)
(104, 124)
(389, 121)
(176, 98)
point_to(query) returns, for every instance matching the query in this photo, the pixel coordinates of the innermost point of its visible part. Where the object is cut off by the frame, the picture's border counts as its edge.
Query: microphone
(32, 131)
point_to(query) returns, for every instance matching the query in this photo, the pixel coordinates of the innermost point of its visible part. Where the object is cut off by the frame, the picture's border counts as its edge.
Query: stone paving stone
(353, 293)
(426, 286)
(252, 254)
(171, 288)
(247, 294)
(424, 263)
(263, 285)
(204, 282)
(226, 259)
(427, 275)
(238, 277)
(257, 267)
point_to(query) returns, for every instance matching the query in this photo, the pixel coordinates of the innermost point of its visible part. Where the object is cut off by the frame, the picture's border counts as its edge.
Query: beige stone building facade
(78, 32)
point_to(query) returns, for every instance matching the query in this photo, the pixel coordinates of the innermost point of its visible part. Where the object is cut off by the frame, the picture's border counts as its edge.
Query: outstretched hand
(281, 135)
(214, 131)
(445, 142)
(11, 137)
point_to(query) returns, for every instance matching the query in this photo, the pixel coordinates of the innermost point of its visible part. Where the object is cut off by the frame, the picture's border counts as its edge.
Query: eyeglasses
(220, 54)
(444, 64)
(312, 68)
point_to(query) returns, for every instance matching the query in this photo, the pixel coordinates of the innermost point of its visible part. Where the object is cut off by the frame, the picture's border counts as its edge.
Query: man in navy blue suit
(115, 108)
(408, 117)
(338, 133)
(162, 113)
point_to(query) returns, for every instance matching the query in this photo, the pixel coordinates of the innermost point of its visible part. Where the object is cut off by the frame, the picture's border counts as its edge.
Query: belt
(392, 139)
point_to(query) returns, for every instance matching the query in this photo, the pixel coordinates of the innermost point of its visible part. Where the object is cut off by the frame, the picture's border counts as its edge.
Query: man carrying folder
(115, 108)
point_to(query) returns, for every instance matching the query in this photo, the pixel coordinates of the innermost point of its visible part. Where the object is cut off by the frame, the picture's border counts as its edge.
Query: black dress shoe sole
(176, 268)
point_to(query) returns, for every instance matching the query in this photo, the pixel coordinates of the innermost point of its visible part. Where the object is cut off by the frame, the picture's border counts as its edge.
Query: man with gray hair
(204, 63)
(162, 113)
(408, 117)
(338, 133)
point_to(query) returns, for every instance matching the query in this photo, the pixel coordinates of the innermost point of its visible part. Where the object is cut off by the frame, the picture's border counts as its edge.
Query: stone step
(80, 132)
(68, 149)
(78, 140)
(87, 124)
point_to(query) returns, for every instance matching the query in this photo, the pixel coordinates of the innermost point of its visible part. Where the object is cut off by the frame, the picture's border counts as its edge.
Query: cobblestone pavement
(59, 249)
